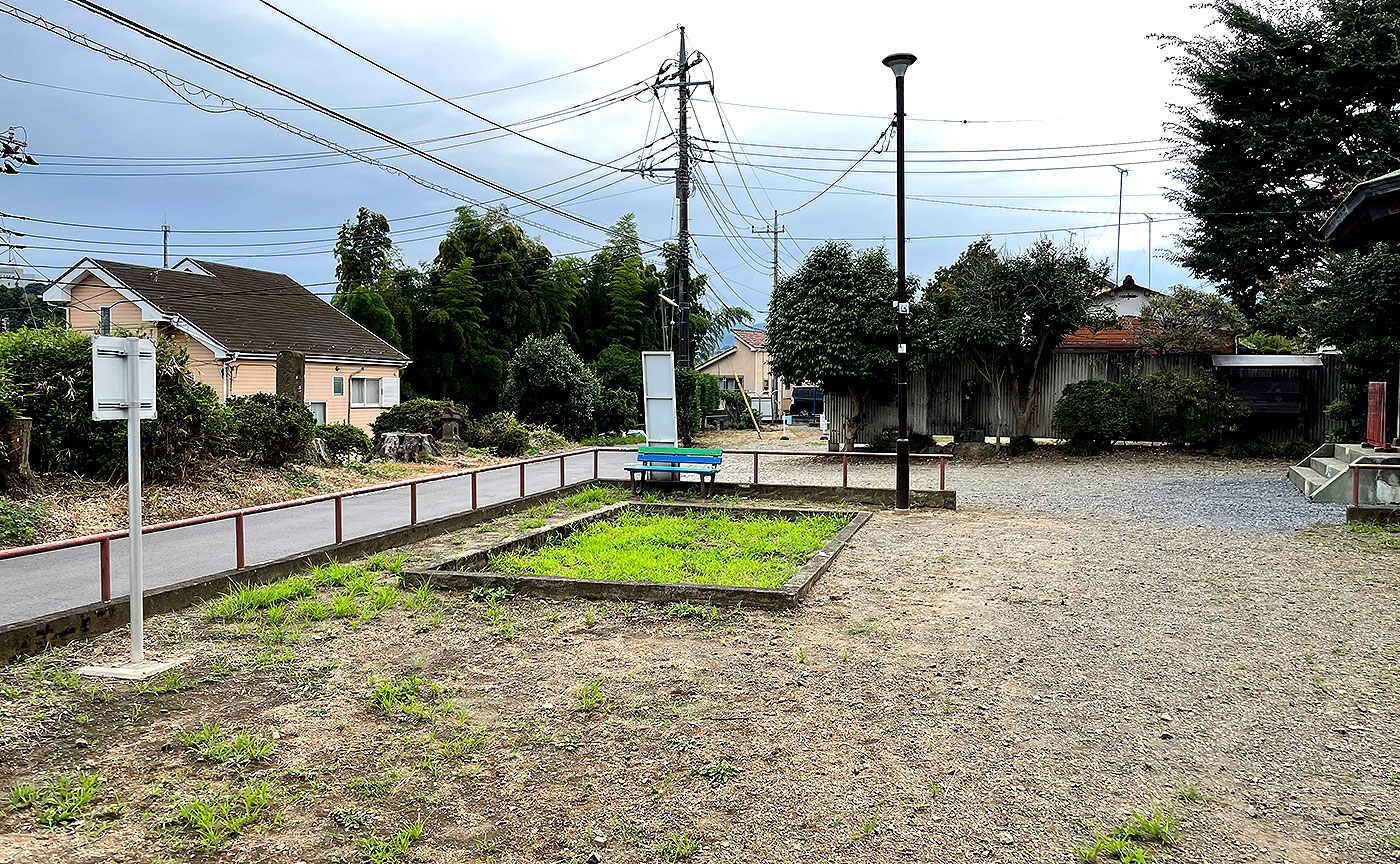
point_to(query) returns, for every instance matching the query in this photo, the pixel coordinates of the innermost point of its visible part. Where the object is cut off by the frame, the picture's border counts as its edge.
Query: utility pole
(165, 247)
(1118, 258)
(1149, 249)
(777, 386)
(683, 195)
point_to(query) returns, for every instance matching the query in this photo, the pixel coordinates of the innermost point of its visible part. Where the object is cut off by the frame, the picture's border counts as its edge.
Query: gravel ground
(1160, 487)
(991, 684)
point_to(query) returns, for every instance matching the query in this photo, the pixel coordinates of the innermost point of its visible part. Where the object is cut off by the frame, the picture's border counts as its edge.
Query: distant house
(1369, 213)
(234, 321)
(1127, 302)
(745, 367)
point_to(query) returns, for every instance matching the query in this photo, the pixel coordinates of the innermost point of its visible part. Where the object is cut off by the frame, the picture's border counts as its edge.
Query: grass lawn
(697, 548)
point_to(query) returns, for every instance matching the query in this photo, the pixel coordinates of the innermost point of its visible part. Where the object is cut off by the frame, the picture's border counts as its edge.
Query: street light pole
(899, 64)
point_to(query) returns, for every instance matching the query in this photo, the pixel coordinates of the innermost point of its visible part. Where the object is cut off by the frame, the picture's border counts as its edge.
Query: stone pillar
(291, 375)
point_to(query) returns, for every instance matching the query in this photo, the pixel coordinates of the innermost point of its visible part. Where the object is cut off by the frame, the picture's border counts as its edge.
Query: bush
(423, 416)
(1198, 412)
(544, 439)
(616, 411)
(268, 428)
(19, 522)
(1094, 414)
(47, 373)
(548, 383)
(619, 368)
(1258, 448)
(344, 440)
(500, 432)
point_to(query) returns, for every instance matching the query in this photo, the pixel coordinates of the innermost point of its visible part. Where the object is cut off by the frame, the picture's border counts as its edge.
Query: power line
(505, 89)
(952, 171)
(883, 139)
(979, 150)
(873, 116)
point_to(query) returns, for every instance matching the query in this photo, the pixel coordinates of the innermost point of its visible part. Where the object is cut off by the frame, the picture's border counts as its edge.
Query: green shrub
(619, 368)
(1269, 343)
(616, 411)
(501, 432)
(268, 428)
(1198, 412)
(1094, 414)
(548, 383)
(697, 396)
(544, 439)
(423, 416)
(343, 440)
(47, 376)
(19, 522)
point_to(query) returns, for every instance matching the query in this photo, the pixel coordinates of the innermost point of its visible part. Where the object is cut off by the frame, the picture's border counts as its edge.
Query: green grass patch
(697, 548)
(218, 815)
(593, 497)
(242, 601)
(59, 800)
(382, 850)
(1376, 538)
(218, 745)
(677, 846)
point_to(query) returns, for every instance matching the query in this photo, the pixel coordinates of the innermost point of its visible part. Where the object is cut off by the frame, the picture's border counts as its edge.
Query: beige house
(745, 367)
(234, 321)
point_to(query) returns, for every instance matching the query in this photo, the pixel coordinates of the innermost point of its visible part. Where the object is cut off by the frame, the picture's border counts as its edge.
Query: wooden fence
(954, 399)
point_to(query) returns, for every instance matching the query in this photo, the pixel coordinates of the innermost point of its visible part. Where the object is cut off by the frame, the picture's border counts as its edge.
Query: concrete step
(1327, 466)
(1306, 480)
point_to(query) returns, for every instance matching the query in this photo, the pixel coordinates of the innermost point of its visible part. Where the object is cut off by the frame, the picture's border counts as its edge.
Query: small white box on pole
(109, 378)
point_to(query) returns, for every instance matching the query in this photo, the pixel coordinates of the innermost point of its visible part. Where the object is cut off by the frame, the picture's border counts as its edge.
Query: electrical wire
(883, 139)
(873, 116)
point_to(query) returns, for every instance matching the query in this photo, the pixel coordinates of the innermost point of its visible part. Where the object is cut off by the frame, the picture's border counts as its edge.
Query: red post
(755, 469)
(845, 470)
(104, 552)
(522, 479)
(473, 490)
(339, 519)
(413, 503)
(1355, 487)
(561, 471)
(238, 540)
(942, 474)
(595, 463)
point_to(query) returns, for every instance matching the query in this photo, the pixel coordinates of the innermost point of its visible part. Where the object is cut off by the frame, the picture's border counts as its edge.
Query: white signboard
(659, 398)
(388, 392)
(109, 378)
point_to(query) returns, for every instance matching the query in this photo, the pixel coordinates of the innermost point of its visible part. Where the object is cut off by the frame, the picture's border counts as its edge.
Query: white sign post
(124, 388)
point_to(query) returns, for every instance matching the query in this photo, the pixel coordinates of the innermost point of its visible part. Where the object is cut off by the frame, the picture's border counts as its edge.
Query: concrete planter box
(465, 572)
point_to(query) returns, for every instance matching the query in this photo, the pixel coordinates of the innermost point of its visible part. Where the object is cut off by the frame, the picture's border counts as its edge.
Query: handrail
(1358, 467)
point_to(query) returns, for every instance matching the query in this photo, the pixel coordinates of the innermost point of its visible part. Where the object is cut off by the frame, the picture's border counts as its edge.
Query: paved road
(54, 581)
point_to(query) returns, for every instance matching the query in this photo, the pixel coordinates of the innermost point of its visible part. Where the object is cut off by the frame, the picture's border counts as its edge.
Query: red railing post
(561, 470)
(845, 470)
(755, 469)
(1355, 486)
(522, 479)
(239, 558)
(413, 503)
(474, 490)
(339, 520)
(595, 463)
(104, 552)
(942, 474)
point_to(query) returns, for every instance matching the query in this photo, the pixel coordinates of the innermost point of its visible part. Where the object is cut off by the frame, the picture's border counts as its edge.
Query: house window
(318, 410)
(337, 385)
(104, 321)
(364, 392)
(765, 385)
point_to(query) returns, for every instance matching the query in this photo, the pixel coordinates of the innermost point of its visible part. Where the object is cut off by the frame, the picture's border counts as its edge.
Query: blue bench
(701, 461)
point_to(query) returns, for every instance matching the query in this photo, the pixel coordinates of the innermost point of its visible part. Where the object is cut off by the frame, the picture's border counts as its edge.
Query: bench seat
(700, 461)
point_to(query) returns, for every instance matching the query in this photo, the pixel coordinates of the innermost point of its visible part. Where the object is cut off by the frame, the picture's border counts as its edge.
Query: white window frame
(325, 416)
(337, 385)
(378, 393)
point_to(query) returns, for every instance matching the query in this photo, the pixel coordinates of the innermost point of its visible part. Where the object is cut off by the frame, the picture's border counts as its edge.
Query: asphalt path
(49, 582)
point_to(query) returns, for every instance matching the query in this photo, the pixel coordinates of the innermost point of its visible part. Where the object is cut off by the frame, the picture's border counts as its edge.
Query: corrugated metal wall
(949, 397)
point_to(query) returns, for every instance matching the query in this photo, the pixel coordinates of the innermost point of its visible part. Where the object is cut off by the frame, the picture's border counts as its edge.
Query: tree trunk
(852, 424)
(16, 478)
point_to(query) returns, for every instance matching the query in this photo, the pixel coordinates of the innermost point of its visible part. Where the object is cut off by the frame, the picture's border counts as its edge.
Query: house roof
(1366, 214)
(716, 358)
(755, 339)
(252, 311)
(1124, 337)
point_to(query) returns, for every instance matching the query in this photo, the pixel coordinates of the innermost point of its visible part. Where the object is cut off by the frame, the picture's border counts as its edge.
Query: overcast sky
(1049, 75)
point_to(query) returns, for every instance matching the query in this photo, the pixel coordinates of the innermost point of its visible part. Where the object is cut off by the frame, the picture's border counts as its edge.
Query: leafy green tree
(1008, 312)
(1188, 320)
(548, 383)
(832, 321)
(363, 251)
(1358, 305)
(1292, 103)
(627, 318)
(618, 368)
(369, 310)
(23, 306)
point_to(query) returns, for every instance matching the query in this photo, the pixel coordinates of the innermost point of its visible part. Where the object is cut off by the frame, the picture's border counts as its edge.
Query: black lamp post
(899, 64)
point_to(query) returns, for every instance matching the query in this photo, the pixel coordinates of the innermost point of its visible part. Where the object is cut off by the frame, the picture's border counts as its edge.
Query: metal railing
(104, 540)
(1357, 468)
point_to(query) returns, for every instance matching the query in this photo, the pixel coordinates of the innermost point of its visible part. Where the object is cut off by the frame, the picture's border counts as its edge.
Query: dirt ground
(987, 685)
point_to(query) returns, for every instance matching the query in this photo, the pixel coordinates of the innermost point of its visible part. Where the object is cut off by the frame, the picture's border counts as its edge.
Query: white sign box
(659, 398)
(109, 378)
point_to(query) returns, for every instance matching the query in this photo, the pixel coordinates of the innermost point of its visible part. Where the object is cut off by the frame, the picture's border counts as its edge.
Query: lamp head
(898, 63)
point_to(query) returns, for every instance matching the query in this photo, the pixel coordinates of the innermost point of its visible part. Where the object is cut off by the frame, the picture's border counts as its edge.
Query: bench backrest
(680, 455)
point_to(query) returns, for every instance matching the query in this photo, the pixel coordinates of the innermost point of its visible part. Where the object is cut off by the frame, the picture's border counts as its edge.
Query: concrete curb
(59, 628)
(1373, 515)
(445, 574)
